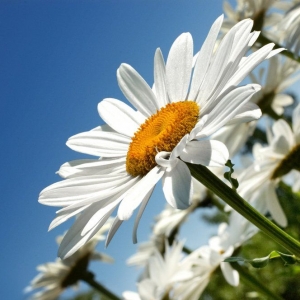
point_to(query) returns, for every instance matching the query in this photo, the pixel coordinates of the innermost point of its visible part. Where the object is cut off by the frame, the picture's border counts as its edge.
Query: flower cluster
(55, 277)
(202, 109)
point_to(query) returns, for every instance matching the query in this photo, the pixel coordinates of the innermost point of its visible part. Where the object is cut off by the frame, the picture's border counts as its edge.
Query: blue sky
(58, 60)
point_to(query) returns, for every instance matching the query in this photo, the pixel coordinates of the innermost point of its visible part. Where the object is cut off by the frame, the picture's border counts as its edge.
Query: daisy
(289, 29)
(257, 10)
(206, 259)
(271, 164)
(55, 277)
(146, 250)
(164, 272)
(281, 73)
(171, 125)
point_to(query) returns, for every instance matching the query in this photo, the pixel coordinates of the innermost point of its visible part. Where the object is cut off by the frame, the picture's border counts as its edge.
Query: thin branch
(88, 277)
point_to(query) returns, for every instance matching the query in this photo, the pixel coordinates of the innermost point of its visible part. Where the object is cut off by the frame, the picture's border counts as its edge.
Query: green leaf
(263, 261)
(233, 259)
(227, 175)
(259, 262)
(288, 258)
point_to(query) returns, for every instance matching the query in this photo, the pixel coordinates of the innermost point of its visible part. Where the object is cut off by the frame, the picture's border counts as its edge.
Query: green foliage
(279, 278)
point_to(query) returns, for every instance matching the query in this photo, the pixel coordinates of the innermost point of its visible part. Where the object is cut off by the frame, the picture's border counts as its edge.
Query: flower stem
(88, 277)
(213, 183)
(264, 40)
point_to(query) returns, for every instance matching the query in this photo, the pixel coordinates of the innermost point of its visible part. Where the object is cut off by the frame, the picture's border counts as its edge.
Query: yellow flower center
(160, 132)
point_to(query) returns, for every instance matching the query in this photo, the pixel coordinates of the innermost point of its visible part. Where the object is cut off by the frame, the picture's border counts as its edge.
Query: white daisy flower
(55, 277)
(164, 272)
(170, 126)
(257, 10)
(289, 29)
(146, 250)
(258, 182)
(205, 260)
(281, 73)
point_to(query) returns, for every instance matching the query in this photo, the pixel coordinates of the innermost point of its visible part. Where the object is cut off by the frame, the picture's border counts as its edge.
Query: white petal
(208, 153)
(100, 143)
(105, 196)
(127, 295)
(280, 101)
(254, 38)
(176, 152)
(115, 226)
(73, 240)
(274, 52)
(204, 57)
(134, 197)
(69, 169)
(74, 190)
(282, 128)
(62, 216)
(177, 186)
(246, 113)
(179, 67)
(139, 215)
(231, 275)
(160, 79)
(102, 212)
(119, 116)
(216, 71)
(227, 108)
(273, 204)
(87, 167)
(136, 90)
(296, 122)
(162, 159)
(247, 65)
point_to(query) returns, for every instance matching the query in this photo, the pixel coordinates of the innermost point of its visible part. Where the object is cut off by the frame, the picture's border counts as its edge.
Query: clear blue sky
(58, 60)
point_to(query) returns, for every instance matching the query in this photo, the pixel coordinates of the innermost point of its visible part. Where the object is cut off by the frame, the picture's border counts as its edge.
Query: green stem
(88, 277)
(253, 283)
(213, 183)
(186, 250)
(264, 40)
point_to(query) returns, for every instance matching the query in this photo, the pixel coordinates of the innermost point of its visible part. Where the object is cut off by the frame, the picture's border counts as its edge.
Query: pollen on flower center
(160, 132)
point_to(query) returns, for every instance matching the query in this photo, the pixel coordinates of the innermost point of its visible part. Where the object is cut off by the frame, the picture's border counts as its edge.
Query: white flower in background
(202, 263)
(205, 260)
(55, 277)
(146, 250)
(289, 29)
(257, 10)
(271, 163)
(164, 272)
(138, 148)
(280, 74)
